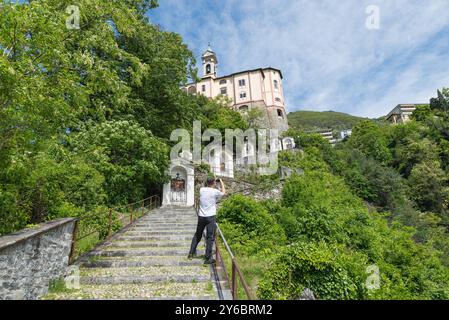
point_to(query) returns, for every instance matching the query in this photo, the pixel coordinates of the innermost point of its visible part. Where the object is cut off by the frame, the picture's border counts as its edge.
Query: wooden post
(110, 222)
(131, 215)
(143, 208)
(234, 281)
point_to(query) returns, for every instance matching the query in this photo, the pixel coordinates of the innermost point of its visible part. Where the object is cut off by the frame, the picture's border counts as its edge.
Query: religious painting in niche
(178, 184)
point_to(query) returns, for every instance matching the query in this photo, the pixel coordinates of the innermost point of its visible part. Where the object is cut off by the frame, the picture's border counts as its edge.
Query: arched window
(288, 143)
(208, 69)
(192, 90)
(244, 109)
(276, 84)
(280, 114)
(278, 100)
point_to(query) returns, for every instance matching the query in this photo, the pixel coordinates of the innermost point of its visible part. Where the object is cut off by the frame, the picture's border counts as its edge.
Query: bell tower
(210, 62)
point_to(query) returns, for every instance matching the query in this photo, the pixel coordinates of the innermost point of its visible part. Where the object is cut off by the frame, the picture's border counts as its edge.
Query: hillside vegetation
(368, 218)
(311, 120)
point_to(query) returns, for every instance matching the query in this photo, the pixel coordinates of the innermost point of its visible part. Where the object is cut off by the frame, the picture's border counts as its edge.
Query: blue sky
(329, 59)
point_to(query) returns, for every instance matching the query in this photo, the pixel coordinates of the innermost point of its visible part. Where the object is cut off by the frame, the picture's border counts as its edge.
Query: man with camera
(207, 210)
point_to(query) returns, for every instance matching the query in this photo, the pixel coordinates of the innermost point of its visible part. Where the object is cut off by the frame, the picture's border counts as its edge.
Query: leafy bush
(307, 265)
(248, 226)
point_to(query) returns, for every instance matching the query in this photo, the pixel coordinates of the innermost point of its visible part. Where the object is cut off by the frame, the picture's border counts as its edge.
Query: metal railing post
(234, 281)
(235, 269)
(217, 254)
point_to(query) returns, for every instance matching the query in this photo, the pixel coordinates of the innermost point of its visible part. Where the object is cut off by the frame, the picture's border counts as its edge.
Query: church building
(257, 88)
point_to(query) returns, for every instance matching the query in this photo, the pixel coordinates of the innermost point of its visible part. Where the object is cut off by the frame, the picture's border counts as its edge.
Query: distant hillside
(311, 120)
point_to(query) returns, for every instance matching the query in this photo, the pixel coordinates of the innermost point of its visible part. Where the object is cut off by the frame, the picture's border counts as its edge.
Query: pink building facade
(257, 88)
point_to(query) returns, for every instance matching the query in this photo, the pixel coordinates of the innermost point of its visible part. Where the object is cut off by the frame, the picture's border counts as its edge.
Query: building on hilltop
(329, 135)
(257, 88)
(250, 89)
(326, 134)
(402, 113)
(345, 134)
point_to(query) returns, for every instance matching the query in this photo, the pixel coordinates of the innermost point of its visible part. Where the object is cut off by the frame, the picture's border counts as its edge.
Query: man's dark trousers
(207, 223)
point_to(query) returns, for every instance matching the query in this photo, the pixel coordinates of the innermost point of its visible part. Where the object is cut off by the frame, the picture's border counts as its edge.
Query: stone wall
(237, 186)
(30, 259)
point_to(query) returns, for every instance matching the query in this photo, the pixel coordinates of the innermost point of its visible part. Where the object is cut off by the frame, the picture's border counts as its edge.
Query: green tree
(372, 140)
(428, 187)
(130, 158)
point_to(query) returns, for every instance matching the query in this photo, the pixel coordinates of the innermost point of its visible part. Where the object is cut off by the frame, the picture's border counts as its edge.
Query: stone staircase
(147, 260)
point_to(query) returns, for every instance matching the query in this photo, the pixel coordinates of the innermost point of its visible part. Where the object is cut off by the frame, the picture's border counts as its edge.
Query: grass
(32, 226)
(59, 286)
(94, 259)
(209, 287)
(252, 268)
(89, 242)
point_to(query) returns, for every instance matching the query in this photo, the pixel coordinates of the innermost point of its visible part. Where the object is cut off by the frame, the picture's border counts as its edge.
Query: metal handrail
(235, 267)
(225, 242)
(155, 202)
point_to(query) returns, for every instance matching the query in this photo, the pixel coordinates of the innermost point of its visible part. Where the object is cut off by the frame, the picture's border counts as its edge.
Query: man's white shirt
(208, 201)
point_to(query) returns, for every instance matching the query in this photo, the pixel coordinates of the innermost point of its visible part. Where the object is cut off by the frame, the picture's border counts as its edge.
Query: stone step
(143, 252)
(129, 262)
(147, 244)
(181, 249)
(160, 233)
(177, 223)
(168, 216)
(145, 279)
(172, 230)
(167, 223)
(157, 298)
(185, 298)
(171, 212)
(167, 227)
(160, 237)
(156, 290)
(145, 271)
(160, 226)
(170, 221)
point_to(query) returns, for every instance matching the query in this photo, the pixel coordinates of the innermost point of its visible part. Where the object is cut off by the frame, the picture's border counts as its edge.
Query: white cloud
(329, 59)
